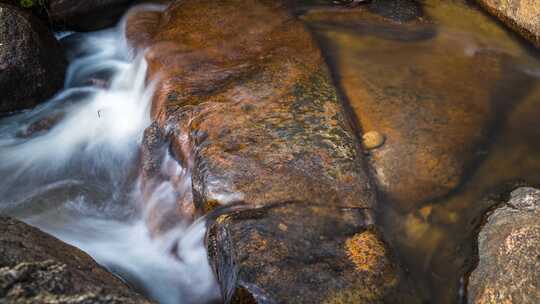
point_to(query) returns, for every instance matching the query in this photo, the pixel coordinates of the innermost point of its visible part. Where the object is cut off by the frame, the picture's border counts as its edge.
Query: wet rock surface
(397, 10)
(32, 64)
(250, 106)
(86, 15)
(523, 16)
(302, 253)
(509, 252)
(38, 268)
(245, 103)
(434, 128)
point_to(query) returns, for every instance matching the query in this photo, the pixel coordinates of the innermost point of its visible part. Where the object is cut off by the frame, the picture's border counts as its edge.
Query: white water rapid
(69, 167)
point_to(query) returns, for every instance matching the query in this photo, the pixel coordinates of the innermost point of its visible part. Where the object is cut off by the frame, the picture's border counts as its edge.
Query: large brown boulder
(509, 253)
(244, 102)
(249, 106)
(396, 78)
(523, 16)
(38, 268)
(32, 64)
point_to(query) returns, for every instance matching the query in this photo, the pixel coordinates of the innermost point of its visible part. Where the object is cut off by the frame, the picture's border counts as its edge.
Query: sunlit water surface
(69, 167)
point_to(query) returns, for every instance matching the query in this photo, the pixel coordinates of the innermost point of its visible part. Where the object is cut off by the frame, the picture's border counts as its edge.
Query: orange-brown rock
(245, 103)
(523, 16)
(32, 63)
(434, 128)
(301, 253)
(250, 107)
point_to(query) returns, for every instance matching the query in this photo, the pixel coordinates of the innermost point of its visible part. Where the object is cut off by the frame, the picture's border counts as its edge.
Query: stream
(70, 165)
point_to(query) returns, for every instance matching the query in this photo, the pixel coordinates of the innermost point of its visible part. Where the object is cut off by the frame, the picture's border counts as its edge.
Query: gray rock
(32, 63)
(38, 268)
(508, 270)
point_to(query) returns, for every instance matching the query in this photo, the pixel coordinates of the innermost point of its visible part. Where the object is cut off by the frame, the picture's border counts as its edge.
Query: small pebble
(373, 140)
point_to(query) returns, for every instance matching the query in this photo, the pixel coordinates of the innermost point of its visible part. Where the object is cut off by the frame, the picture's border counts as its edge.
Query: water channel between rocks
(69, 166)
(449, 87)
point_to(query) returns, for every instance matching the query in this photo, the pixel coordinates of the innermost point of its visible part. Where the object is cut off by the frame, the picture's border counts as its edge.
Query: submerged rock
(397, 10)
(32, 64)
(38, 268)
(434, 127)
(509, 253)
(245, 103)
(86, 15)
(41, 125)
(523, 16)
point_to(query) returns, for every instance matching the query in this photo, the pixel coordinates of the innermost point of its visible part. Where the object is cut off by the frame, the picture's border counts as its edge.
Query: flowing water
(69, 167)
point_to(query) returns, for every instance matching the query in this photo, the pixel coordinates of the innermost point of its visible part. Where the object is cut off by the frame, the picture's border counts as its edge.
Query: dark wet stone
(32, 64)
(397, 10)
(86, 15)
(38, 268)
(302, 253)
(509, 253)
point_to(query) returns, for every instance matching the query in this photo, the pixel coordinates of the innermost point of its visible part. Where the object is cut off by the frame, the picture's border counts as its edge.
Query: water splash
(69, 167)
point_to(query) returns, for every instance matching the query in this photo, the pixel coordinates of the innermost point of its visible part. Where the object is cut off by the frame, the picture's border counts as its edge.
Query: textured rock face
(37, 268)
(245, 103)
(523, 16)
(433, 128)
(249, 105)
(86, 15)
(300, 253)
(509, 253)
(32, 64)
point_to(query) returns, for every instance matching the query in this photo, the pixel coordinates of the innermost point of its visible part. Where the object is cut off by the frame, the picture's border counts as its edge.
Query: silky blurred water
(69, 167)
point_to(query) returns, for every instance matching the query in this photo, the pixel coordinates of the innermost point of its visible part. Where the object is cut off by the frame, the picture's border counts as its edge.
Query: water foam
(76, 176)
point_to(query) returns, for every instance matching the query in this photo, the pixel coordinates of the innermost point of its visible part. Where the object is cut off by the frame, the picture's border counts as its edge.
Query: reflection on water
(69, 167)
(458, 98)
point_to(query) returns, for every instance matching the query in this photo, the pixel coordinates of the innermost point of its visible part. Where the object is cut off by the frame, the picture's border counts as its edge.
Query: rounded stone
(372, 140)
